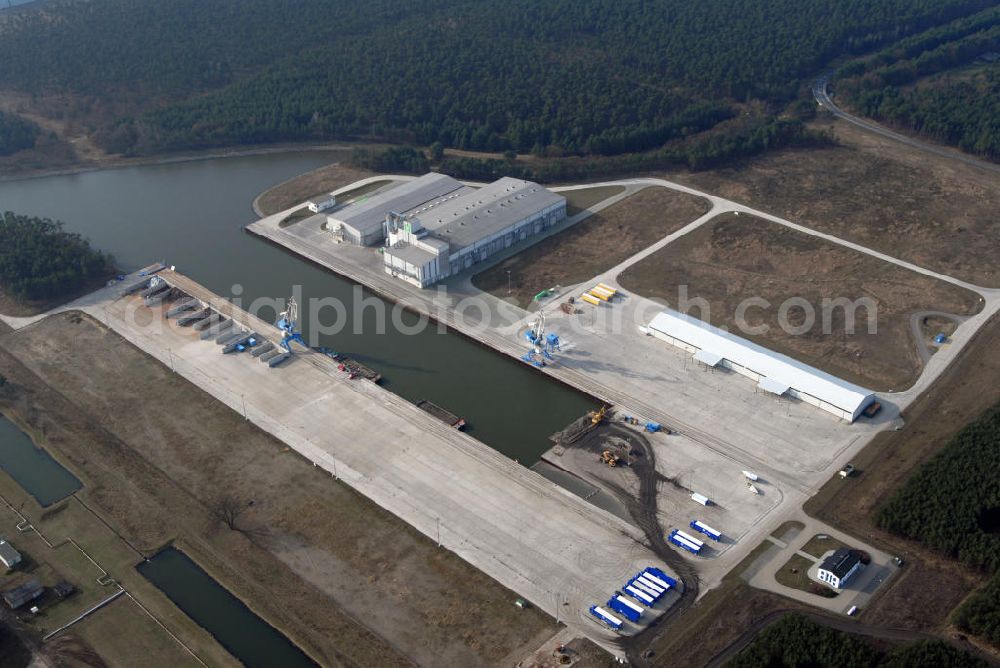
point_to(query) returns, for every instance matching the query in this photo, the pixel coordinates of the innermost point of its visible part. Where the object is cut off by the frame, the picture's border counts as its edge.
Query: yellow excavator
(610, 458)
(597, 417)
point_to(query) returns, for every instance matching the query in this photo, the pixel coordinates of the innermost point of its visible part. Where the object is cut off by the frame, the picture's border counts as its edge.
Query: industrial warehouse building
(434, 227)
(363, 223)
(774, 372)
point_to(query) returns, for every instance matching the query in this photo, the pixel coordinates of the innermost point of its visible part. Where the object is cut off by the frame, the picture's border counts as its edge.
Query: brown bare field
(156, 455)
(584, 198)
(926, 209)
(929, 585)
(732, 258)
(592, 245)
(300, 188)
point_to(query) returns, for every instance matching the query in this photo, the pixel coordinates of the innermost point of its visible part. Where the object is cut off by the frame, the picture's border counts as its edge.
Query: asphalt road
(821, 91)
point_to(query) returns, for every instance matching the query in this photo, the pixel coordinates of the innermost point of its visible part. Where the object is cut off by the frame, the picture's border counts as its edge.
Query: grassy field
(795, 574)
(305, 186)
(820, 544)
(923, 208)
(788, 530)
(593, 245)
(136, 635)
(735, 257)
(584, 198)
(308, 555)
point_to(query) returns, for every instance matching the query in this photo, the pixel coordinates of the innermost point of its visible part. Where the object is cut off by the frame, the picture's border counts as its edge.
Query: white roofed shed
(774, 372)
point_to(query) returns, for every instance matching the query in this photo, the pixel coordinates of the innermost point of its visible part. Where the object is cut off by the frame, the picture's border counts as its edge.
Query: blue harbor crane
(542, 344)
(286, 323)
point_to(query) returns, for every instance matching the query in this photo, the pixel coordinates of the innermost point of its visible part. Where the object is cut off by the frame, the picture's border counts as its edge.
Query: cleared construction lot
(736, 257)
(598, 242)
(934, 212)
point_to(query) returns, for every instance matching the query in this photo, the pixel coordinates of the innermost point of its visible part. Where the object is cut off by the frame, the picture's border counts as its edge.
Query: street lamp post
(508, 282)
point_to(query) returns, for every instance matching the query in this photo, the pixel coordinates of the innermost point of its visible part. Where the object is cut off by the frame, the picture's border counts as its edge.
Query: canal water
(191, 214)
(33, 468)
(245, 635)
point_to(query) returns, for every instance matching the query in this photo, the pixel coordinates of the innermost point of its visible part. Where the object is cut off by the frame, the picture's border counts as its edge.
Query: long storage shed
(774, 372)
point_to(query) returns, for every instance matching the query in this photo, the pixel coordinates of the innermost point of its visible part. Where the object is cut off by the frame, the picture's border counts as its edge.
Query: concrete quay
(546, 544)
(724, 426)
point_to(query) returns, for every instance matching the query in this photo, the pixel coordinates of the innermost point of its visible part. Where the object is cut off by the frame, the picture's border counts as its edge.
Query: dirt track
(643, 510)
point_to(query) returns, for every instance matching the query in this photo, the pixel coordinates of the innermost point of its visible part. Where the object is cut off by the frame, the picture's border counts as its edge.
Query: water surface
(191, 214)
(245, 635)
(32, 468)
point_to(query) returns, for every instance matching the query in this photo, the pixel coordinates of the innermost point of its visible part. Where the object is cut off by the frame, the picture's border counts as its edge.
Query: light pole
(508, 282)
(243, 398)
(170, 356)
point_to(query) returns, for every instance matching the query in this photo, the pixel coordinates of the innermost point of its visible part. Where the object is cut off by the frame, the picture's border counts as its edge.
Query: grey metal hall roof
(8, 553)
(476, 214)
(412, 254)
(367, 216)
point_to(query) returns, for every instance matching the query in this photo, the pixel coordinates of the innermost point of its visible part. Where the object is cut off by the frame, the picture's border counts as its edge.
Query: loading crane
(286, 323)
(542, 344)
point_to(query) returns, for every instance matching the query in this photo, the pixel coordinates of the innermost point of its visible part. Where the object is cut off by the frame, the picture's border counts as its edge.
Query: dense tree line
(980, 613)
(951, 503)
(743, 141)
(39, 260)
(965, 114)
(962, 113)
(796, 641)
(16, 134)
(573, 77)
(405, 159)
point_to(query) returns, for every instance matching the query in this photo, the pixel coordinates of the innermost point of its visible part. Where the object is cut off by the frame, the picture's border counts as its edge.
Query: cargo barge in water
(348, 365)
(445, 416)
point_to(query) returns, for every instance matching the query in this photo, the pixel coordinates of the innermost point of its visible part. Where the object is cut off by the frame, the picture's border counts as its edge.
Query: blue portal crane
(287, 320)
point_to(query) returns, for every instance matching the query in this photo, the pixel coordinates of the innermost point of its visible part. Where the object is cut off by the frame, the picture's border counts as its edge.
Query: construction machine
(610, 458)
(597, 417)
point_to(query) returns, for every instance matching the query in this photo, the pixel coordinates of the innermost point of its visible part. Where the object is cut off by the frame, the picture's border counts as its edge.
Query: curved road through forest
(821, 91)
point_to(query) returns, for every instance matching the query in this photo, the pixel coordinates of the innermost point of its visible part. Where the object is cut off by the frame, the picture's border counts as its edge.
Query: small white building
(838, 568)
(9, 557)
(775, 373)
(319, 205)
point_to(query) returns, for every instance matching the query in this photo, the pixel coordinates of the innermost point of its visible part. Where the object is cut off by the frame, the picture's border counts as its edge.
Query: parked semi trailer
(619, 603)
(606, 617)
(701, 527)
